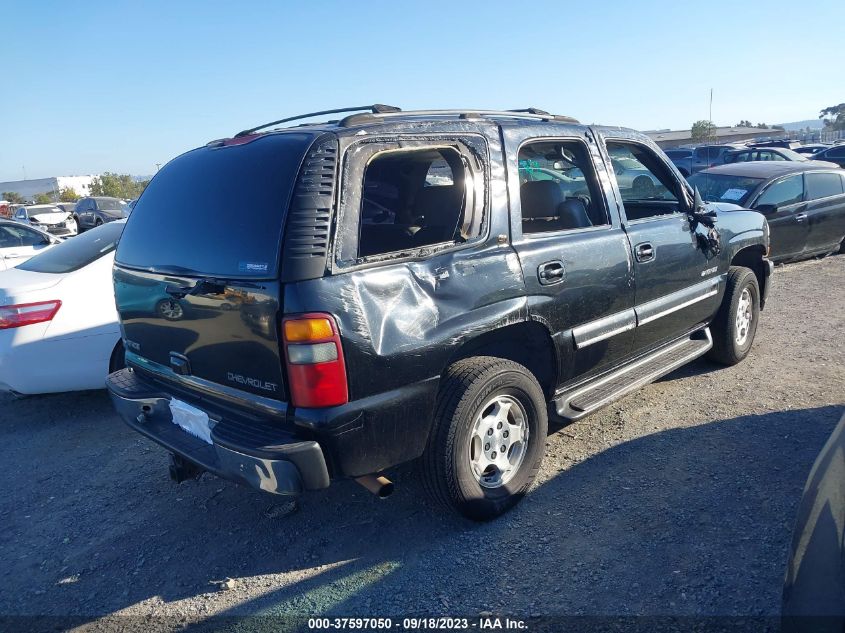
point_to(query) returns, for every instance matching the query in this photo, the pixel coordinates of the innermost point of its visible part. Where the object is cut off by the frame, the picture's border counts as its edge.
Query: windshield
(216, 210)
(78, 252)
(110, 204)
(723, 187)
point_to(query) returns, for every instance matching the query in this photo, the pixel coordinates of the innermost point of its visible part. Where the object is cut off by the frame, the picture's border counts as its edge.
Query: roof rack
(376, 108)
(525, 113)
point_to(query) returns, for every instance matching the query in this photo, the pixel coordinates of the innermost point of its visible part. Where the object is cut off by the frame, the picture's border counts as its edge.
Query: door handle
(800, 217)
(12, 256)
(551, 272)
(644, 252)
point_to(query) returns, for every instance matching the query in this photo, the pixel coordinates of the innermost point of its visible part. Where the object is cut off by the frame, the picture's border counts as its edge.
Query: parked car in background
(96, 210)
(58, 323)
(706, 156)
(814, 587)
(49, 218)
(682, 158)
(834, 154)
(782, 142)
(19, 242)
(127, 210)
(804, 203)
(770, 154)
(68, 207)
(812, 148)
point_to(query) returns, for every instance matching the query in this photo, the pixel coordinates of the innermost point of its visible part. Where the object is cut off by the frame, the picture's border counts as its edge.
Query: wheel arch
(528, 343)
(753, 257)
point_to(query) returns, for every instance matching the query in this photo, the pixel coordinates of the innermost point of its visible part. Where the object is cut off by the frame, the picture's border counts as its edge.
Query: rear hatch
(197, 269)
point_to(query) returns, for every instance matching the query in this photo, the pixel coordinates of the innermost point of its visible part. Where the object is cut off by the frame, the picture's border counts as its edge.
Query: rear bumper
(264, 457)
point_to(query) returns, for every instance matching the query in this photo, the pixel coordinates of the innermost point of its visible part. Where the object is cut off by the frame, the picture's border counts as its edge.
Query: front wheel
(488, 437)
(736, 322)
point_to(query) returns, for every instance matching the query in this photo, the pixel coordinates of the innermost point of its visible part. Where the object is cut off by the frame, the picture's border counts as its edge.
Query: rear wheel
(488, 437)
(98, 222)
(736, 322)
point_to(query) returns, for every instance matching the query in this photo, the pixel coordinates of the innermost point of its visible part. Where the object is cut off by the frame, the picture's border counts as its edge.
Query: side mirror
(700, 212)
(766, 208)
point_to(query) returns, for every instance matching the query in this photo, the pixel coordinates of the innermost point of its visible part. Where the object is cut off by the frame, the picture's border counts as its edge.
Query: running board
(585, 399)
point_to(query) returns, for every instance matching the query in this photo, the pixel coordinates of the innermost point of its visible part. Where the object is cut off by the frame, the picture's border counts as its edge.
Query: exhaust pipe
(379, 485)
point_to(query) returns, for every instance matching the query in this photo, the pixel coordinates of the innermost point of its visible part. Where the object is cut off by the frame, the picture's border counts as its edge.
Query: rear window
(723, 187)
(110, 204)
(216, 210)
(823, 185)
(78, 252)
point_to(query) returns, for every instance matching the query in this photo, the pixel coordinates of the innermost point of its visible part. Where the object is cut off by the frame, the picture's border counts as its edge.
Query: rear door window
(217, 210)
(823, 185)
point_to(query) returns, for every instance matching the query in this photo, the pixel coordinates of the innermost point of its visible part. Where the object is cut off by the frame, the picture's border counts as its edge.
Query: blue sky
(120, 86)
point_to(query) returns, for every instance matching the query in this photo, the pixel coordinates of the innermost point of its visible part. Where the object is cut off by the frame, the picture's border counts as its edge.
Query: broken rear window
(415, 198)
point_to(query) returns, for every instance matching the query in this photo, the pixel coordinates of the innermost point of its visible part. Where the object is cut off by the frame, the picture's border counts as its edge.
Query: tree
(702, 130)
(68, 194)
(762, 126)
(43, 198)
(12, 197)
(744, 123)
(834, 117)
(116, 186)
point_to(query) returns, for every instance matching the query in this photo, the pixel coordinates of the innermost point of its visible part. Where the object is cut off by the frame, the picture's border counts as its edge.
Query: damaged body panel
(404, 244)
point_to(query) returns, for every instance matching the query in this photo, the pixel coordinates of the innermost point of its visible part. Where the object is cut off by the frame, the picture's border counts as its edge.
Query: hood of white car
(50, 218)
(17, 284)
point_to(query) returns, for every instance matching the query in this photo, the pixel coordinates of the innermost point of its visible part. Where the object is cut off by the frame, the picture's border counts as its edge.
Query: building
(677, 138)
(28, 189)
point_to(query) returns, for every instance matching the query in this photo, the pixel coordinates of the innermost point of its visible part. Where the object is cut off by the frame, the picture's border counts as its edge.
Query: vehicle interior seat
(439, 209)
(545, 208)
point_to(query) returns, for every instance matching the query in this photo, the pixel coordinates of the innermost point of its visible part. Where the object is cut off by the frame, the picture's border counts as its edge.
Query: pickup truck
(348, 295)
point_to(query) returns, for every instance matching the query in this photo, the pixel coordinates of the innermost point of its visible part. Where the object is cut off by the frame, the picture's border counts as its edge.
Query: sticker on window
(734, 194)
(253, 267)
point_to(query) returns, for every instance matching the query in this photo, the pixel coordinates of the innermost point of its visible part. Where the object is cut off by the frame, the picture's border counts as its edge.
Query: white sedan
(58, 322)
(18, 243)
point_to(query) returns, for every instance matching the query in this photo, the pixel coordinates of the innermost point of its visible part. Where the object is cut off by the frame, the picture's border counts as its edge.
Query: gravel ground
(677, 500)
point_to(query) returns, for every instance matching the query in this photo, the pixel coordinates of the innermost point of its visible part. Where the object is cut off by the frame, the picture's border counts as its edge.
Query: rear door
(782, 202)
(677, 281)
(574, 255)
(825, 210)
(197, 268)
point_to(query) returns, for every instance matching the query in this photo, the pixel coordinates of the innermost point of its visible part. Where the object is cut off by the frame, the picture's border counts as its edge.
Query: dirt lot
(678, 499)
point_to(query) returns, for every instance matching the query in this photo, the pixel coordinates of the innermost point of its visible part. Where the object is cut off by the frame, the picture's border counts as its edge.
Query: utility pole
(710, 117)
(158, 166)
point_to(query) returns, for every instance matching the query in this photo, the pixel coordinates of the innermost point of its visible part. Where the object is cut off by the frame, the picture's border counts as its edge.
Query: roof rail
(527, 113)
(376, 108)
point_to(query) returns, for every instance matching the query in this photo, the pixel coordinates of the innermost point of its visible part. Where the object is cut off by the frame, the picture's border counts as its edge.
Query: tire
(643, 185)
(170, 309)
(731, 341)
(118, 358)
(78, 225)
(468, 389)
(99, 222)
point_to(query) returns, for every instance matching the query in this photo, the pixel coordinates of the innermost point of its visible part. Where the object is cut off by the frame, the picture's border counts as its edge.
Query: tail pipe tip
(379, 485)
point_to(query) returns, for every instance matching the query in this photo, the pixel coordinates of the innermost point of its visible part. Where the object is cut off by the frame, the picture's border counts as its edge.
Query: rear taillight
(28, 314)
(314, 357)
